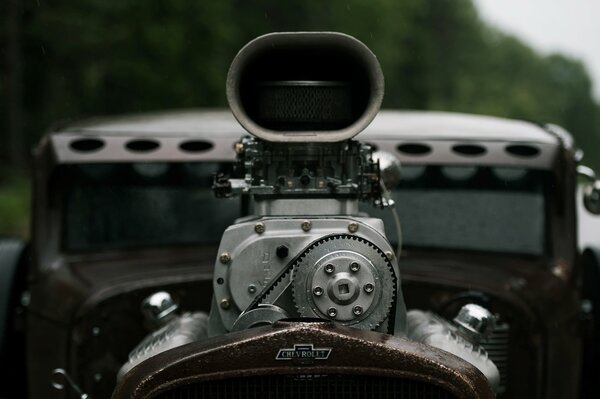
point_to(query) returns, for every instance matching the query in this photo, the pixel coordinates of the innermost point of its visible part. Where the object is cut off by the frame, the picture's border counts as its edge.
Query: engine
(307, 251)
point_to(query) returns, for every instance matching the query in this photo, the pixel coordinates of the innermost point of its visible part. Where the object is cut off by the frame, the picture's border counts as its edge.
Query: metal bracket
(60, 379)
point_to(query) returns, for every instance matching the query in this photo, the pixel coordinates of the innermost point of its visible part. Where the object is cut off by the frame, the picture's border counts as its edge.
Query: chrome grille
(308, 387)
(497, 348)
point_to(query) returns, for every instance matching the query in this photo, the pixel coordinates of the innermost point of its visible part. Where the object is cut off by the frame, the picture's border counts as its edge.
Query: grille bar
(308, 386)
(496, 346)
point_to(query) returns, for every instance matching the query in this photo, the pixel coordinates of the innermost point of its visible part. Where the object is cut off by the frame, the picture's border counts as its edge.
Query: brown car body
(84, 316)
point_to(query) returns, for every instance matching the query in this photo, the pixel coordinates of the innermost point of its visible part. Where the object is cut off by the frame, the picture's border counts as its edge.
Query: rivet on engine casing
(259, 227)
(332, 312)
(354, 267)
(329, 268)
(306, 225)
(225, 258)
(369, 288)
(357, 310)
(225, 304)
(353, 227)
(252, 288)
(389, 255)
(318, 291)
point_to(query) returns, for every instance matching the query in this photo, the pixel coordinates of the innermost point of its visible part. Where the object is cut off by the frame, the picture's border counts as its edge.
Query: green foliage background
(92, 57)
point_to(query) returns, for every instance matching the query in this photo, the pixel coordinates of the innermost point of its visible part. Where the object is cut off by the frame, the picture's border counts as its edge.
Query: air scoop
(305, 86)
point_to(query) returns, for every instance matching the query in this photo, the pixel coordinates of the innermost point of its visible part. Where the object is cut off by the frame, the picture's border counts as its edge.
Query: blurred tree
(13, 84)
(96, 57)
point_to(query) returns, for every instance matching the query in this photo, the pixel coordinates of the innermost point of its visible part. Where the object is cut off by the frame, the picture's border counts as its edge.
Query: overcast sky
(571, 27)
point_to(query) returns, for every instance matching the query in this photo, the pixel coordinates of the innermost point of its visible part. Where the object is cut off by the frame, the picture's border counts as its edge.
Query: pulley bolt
(357, 310)
(369, 288)
(353, 227)
(306, 225)
(225, 258)
(354, 266)
(332, 312)
(318, 291)
(225, 304)
(282, 251)
(252, 288)
(259, 227)
(329, 268)
(239, 148)
(389, 255)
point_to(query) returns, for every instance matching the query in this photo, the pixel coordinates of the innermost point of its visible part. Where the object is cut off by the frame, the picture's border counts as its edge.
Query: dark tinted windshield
(160, 204)
(471, 208)
(144, 204)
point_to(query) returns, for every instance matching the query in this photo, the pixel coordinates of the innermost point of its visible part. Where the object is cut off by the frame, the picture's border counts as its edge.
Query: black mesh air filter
(304, 105)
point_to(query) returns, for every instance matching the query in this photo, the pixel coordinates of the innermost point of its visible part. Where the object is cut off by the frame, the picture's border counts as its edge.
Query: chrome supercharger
(306, 250)
(339, 268)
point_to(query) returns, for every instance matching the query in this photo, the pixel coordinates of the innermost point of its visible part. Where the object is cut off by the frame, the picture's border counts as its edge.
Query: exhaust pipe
(305, 87)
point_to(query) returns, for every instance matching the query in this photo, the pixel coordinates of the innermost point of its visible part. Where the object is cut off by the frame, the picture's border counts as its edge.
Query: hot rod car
(434, 255)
